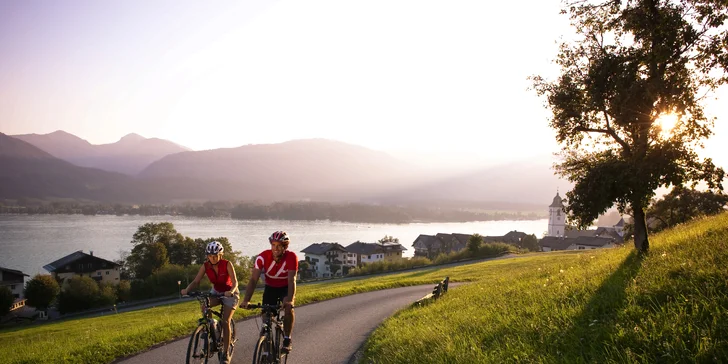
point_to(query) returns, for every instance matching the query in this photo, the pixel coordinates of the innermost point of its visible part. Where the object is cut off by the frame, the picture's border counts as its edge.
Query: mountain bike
(269, 347)
(206, 339)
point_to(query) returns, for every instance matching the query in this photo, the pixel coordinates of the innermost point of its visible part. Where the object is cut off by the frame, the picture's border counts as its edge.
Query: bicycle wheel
(282, 357)
(232, 338)
(261, 354)
(198, 348)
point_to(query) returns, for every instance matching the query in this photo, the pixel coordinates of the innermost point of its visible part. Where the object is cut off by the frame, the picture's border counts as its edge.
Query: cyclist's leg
(227, 314)
(269, 298)
(288, 321)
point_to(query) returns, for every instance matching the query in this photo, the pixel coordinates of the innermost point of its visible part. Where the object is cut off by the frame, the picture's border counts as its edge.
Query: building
(324, 259)
(15, 281)
(82, 264)
(562, 237)
(375, 252)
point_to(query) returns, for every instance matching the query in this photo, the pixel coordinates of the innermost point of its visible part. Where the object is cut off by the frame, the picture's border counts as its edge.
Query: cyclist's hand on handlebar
(244, 304)
(183, 292)
(228, 294)
(288, 302)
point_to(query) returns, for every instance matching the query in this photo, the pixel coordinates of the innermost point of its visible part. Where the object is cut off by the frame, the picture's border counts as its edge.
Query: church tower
(557, 223)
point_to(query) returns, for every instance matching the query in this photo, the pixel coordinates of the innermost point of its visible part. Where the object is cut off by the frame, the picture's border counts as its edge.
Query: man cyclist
(280, 267)
(221, 274)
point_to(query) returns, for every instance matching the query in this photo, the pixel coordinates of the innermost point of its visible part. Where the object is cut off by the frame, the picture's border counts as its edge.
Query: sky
(446, 80)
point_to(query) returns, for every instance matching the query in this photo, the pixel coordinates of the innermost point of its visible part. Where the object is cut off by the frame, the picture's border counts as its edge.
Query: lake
(28, 242)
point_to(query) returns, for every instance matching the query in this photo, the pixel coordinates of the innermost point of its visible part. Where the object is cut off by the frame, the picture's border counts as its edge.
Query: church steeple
(557, 223)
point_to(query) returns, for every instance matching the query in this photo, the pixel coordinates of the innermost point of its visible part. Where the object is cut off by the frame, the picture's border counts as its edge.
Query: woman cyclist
(280, 267)
(221, 274)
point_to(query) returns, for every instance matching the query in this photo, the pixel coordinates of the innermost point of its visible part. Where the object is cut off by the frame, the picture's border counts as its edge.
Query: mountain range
(129, 155)
(140, 170)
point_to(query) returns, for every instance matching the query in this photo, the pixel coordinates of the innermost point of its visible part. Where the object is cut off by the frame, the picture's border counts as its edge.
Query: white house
(15, 281)
(321, 256)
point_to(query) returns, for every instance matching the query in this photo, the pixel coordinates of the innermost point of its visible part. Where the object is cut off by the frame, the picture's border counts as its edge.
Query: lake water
(28, 242)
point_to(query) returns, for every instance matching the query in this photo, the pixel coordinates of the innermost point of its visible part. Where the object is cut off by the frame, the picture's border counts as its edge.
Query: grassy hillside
(608, 306)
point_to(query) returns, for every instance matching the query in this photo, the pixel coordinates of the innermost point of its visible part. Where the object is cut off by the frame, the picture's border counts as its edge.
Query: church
(562, 237)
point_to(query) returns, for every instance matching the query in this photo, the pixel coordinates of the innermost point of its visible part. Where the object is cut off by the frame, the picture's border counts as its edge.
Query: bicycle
(199, 350)
(268, 349)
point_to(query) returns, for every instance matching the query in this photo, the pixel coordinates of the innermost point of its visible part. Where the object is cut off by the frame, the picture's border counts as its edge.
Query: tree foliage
(81, 293)
(475, 242)
(6, 300)
(682, 205)
(41, 291)
(633, 62)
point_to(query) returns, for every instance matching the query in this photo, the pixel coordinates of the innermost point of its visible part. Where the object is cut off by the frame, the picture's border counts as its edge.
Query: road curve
(325, 332)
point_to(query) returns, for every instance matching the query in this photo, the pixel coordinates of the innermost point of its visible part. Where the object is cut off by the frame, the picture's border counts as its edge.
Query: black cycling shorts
(271, 295)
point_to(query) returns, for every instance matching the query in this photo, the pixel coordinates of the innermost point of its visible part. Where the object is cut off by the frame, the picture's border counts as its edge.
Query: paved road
(325, 332)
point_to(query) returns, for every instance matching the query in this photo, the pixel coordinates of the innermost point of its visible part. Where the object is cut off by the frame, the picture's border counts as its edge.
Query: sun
(667, 122)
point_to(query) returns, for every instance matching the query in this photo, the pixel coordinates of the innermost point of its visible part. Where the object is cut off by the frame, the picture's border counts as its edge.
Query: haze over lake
(28, 242)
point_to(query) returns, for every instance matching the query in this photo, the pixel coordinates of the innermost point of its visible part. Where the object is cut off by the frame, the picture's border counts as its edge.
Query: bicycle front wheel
(282, 357)
(198, 348)
(261, 354)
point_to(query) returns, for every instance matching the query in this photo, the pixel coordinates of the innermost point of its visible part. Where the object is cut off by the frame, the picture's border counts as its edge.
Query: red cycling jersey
(220, 280)
(276, 273)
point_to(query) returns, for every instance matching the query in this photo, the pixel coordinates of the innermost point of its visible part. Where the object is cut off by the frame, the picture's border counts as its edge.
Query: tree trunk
(640, 229)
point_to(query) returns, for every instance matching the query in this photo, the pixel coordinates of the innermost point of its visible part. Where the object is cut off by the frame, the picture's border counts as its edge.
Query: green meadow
(594, 306)
(579, 306)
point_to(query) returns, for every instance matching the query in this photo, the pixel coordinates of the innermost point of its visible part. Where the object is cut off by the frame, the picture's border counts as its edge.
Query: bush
(6, 300)
(123, 291)
(41, 291)
(82, 293)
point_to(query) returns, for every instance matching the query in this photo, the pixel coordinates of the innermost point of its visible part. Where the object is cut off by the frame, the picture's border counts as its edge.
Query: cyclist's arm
(251, 285)
(195, 282)
(233, 278)
(291, 286)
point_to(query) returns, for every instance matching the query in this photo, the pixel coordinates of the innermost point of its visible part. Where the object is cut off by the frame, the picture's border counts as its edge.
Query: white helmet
(214, 247)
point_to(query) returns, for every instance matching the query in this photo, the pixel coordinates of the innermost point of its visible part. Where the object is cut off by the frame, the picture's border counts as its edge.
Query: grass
(106, 338)
(605, 306)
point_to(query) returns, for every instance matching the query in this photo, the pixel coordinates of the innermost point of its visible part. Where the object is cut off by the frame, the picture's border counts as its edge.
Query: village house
(375, 252)
(322, 256)
(15, 281)
(432, 245)
(81, 264)
(562, 237)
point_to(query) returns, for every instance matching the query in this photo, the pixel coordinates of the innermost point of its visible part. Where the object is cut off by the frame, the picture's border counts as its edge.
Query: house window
(107, 272)
(98, 273)
(12, 286)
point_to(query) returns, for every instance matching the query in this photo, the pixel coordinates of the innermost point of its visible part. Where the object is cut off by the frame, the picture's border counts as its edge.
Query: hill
(606, 305)
(129, 155)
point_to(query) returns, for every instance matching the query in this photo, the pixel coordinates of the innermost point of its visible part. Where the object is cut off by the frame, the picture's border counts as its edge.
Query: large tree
(632, 64)
(684, 204)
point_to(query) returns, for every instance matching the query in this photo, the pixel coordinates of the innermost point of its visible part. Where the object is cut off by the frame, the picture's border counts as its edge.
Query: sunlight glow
(667, 122)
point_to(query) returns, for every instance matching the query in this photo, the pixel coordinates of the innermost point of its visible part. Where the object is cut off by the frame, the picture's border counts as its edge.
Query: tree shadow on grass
(585, 340)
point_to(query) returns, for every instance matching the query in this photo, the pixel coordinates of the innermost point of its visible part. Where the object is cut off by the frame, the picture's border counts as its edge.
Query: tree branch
(609, 131)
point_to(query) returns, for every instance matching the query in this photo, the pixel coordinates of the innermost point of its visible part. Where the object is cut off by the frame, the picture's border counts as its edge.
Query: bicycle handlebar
(204, 294)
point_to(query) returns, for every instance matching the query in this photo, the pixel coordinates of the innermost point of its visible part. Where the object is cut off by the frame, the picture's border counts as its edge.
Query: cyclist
(280, 266)
(221, 274)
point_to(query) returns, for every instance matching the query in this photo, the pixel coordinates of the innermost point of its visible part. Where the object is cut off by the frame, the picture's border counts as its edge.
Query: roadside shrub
(81, 293)
(41, 291)
(6, 300)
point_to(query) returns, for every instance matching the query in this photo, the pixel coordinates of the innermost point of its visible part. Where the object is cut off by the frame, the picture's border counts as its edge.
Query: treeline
(366, 213)
(310, 211)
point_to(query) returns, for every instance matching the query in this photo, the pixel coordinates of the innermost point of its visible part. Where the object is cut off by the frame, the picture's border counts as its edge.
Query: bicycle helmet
(214, 247)
(281, 237)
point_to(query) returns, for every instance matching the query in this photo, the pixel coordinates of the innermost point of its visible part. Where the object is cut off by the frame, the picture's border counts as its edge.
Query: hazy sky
(438, 77)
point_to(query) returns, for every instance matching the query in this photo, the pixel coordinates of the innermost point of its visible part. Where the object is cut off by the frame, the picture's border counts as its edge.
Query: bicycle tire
(282, 357)
(193, 355)
(260, 349)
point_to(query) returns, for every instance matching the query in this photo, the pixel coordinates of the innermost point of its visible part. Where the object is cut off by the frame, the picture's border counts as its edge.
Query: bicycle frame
(212, 340)
(270, 343)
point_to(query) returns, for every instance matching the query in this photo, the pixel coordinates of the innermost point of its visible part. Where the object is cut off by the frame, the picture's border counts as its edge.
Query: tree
(388, 239)
(530, 242)
(41, 290)
(81, 293)
(635, 63)
(684, 204)
(474, 243)
(152, 242)
(6, 300)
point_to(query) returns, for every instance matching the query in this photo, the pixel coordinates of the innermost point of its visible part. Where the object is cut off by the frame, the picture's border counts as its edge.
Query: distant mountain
(28, 172)
(318, 169)
(129, 155)
(519, 185)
